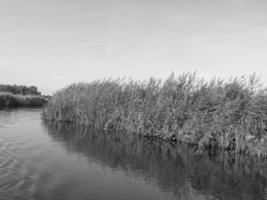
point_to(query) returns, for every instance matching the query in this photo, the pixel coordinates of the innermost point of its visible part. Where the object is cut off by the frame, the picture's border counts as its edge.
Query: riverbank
(16, 100)
(217, 114)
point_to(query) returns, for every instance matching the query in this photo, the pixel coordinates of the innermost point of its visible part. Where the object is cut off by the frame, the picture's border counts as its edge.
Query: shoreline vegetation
(230, 115)
(21, 96)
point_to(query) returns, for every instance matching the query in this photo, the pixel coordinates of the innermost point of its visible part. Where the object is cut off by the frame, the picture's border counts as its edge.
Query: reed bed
(15, 100)
(213, 114)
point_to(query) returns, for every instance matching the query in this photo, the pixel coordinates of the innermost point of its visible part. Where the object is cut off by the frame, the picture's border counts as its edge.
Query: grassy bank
(227, 114)
(14, 100)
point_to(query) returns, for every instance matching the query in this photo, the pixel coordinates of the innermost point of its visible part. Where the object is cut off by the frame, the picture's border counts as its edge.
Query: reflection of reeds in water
(173, 167)
(227, 114)
(189, 193)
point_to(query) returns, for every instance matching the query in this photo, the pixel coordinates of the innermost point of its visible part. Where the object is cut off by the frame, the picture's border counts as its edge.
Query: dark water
(58, 161)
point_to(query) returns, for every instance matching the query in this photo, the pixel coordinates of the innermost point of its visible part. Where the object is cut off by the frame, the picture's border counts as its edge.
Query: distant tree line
(20, 89)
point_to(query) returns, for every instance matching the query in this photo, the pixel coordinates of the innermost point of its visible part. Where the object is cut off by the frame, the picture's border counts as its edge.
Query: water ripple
(15, 179)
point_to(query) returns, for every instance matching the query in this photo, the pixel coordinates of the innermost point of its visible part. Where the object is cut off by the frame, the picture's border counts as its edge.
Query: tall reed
(226, 114)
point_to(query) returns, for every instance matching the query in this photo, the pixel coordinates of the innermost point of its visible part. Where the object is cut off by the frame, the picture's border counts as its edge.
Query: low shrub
(12, 100)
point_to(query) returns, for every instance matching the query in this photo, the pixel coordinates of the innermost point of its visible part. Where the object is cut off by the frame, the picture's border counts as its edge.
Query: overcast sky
(52, 43)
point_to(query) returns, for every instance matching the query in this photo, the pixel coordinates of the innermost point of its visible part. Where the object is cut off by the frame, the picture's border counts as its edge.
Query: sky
(53, 43)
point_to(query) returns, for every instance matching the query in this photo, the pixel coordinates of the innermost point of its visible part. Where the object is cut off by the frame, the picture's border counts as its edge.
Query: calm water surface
(60, 162)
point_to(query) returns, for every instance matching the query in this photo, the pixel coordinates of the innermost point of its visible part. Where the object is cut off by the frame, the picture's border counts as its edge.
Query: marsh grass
(15, 100)
(212, 114)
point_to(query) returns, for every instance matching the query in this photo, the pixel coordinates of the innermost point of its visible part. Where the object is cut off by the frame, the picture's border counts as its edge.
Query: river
(48, 161)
